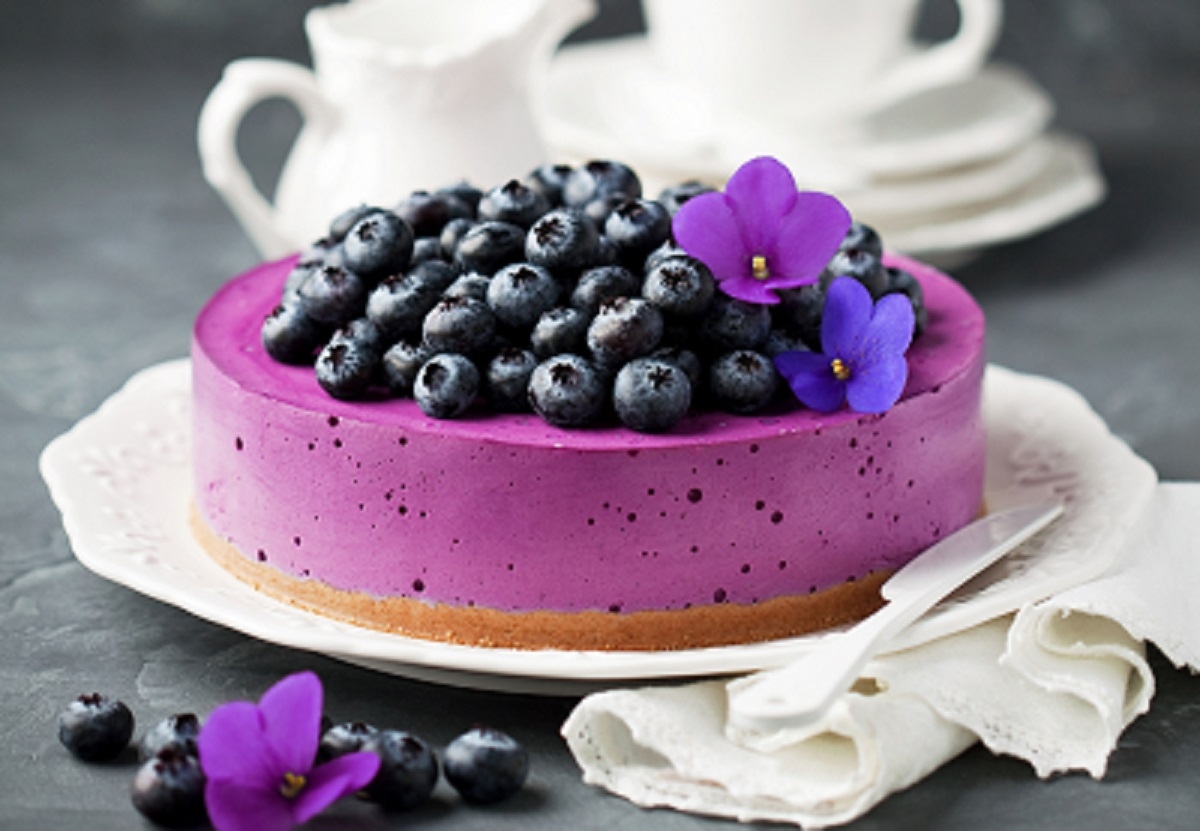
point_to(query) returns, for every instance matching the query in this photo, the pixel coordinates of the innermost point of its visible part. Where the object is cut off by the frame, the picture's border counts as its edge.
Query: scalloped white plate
(122, 479)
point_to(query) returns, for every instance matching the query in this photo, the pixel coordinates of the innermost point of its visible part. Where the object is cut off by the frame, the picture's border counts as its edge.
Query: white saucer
(121, 478)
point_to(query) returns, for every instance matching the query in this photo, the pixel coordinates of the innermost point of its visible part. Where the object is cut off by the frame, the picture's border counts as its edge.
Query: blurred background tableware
(403, 95)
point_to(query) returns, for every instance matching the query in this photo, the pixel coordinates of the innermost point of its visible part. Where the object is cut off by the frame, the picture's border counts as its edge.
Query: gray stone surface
(110, 241)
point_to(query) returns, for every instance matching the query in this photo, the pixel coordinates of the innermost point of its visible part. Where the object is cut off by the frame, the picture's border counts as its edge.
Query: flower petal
(233, 747)
(847, 312)
(749, 290)
(233, 806)
(877, 387)
(761, 192)
(808, 237)
(706, 229)
(811, 379)
(891, 328)
(292, 719)
(331, 781)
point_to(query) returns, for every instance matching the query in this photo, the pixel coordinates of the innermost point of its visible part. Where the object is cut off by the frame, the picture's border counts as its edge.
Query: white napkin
(1055, 684)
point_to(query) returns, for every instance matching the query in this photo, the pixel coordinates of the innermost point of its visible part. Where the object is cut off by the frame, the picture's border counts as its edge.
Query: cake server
(800, 693)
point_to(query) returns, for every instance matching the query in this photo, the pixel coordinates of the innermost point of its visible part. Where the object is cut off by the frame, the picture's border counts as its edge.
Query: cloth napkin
(1054, 683)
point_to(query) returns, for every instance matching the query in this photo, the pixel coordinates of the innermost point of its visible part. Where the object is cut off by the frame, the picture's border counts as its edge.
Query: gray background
(110, 241)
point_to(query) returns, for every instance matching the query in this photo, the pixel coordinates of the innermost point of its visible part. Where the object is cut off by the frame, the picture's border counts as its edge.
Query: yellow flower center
(840, 370)
(758, 267)
(293, 783)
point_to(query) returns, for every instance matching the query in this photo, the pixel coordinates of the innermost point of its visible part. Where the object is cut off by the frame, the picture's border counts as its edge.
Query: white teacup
(791, 62)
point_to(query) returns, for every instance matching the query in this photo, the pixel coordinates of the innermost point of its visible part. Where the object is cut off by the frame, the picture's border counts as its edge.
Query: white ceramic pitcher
(404, 95)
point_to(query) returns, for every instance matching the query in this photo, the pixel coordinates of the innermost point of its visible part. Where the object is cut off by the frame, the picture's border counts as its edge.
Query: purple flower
(259, 760)
(862, 352)
(762, 235)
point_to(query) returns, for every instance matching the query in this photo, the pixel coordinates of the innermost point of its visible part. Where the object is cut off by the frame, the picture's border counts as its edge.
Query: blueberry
(780, 340)
(519, 293)
(301, 271)
(399, 304)
(861, 264)
(673, 198)
(340, 739)
(364, 333)
(567, 391)
(685, 359)
(427, 213)
(601, 284)
(733, 324)
(602, 207)
(902, 282)
(513, 202)
(485, 765)
(401, 362)
(650, 395)
(637, 227)
(743, 381)
(95, 728)
(863, 237)
(624, 329)
(489, 246)
(427, 249)
(178, 731)
(558, 330)
(681, 286)
(169, 789)
(464, 192)
(408, 770)
(292, 337)
(472, 285)
(459, 324)
(347, 219)
(333, 294)
(507, 382)
(379, 244)
(346, 368)
(563, 240)
(597, 180)
(799, 312)
(667, 249)
(454, 231)
(446, 385)
(549, 180)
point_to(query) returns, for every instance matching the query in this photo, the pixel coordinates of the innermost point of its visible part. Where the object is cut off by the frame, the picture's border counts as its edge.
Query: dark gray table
(110, 241)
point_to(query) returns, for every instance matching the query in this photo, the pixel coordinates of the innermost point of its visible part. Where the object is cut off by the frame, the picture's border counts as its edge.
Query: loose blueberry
(399, 304)
(624, 329)
(464, 192)
(169, 789)
(743, 381)
(799, 312)
(427, 249)
(489, 246)
(95, 728)
(513, 202)
(333, 295)
(732, 324)
(650, 395)
(549, 180)
(401, 363)
(673, 198)
(485, 765)
(863, 237)
(685, 359)
(459, 324)
(346, 368)
(563, 240)
(861, 264)
(519, 293)
(473, 285)
(598, 285)
(364, 332)
(559, 330)
(408, 770)
(340, 739)
(427, 213)
(637, 227)
(507, 381)
(378, 245)
(599, 179)
(902, 282)
(779, 341)
(178, 732)
(301, 271)
(681, 286)
(602, 207)
(454, 231)
(292, 337)
(446, 385)
(567, 391)
(347, 219)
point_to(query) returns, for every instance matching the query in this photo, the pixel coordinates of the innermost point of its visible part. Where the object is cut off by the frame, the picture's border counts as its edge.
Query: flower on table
(861, 362)
(761, 234)
(259, 760)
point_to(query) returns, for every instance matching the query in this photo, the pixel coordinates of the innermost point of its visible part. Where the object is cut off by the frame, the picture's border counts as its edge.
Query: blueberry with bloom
(861, 362)
(259, 760)
(761, 234)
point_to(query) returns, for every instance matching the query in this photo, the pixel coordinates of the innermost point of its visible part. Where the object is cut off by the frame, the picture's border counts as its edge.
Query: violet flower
(259, 760)
(862, 361)
(761, 234)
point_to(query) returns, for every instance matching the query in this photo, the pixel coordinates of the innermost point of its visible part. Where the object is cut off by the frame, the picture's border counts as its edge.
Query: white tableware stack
(943, 151)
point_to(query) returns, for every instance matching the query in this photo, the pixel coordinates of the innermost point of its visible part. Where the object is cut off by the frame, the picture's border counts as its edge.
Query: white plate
(121, 478)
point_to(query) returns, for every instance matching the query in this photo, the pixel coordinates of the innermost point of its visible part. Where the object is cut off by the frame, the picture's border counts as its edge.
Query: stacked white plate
(941, 174)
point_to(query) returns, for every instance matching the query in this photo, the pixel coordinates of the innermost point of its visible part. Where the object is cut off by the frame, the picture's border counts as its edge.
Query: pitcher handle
(244, 84)
(949, 61)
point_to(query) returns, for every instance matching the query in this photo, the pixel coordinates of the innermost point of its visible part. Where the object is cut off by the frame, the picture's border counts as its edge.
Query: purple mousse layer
(510, 513)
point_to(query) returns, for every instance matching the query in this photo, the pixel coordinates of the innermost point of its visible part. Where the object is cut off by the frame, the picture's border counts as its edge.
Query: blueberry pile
(562, 293)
